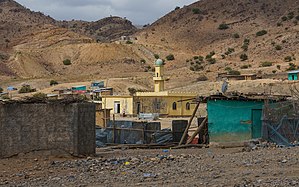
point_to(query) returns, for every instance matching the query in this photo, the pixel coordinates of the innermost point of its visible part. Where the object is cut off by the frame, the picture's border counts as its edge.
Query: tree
(132, 91)
(243, 57)
(223, 26)
(196, 11)
(53, 83)
(261, 33)
(170, 57)
(67, 62)
(267, 64)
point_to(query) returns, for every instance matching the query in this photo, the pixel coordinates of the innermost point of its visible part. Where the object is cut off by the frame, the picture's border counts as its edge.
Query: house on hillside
(293, 75)
(228, 77)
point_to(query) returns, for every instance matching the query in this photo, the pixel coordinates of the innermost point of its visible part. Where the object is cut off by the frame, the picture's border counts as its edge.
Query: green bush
(284, 18)
(40, 96)
(129, 42)
(261, 33)
(195, 57)
(26, 89)
(234, 72)
(132, 91)
(236, 35)
(288, 59)
(246, 41)
(278, 47)
(243, 57)
(279, 24)
(229, 51)
(211, 60)
(245, 47)
(278, 66)
(67, 62)
(245, 67)
(228, 69)
(292, 66)
(53, 83)
(200, 58)
(202, 78)
(156, 56)
(170, 57)
(196, 11)
(291, 15)
(266, 64)
(223, 26)
(274, 71)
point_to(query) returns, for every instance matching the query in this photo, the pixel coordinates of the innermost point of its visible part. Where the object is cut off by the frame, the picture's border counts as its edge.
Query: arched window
(157, 74)
(188, 106)
(174, 106)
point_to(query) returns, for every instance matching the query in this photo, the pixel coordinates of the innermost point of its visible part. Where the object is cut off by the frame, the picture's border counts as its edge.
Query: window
(157, 74)
(188, 106)
(174, 106)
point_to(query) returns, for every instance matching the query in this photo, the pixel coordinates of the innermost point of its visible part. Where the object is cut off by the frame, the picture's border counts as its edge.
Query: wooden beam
(189, 124)
(200, 127)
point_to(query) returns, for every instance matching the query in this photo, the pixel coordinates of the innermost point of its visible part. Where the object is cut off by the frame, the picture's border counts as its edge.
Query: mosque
(165, 103)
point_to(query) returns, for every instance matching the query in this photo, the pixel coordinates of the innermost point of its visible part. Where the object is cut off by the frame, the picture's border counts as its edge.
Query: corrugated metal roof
(295, 71)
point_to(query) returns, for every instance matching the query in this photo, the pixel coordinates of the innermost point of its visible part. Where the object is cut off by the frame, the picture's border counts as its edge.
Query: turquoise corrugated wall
(293, 76)
(231, 121)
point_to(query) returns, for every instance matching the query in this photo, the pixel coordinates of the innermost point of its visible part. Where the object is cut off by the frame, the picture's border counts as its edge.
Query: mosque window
(174, 106)
(188, 106)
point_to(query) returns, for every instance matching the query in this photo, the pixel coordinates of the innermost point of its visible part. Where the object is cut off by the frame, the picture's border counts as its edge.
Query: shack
(236, 117)
(293, 75)
(236, 77)
(79, 89)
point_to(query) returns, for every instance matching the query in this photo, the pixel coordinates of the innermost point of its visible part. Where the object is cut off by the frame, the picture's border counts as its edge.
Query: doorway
(256, 129)
(116, 107)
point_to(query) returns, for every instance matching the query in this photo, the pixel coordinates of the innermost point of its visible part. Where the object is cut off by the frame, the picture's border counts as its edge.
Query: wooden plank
(200, 127)
(189, 124)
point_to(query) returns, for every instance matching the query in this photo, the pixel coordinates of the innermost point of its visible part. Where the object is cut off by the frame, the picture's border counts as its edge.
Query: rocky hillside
(259, 30)
(104, 30)
(33, 45)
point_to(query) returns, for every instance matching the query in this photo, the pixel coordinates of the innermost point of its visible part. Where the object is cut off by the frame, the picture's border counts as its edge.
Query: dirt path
(186, 167)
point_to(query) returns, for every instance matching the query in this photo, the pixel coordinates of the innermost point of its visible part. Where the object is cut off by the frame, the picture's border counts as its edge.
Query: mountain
(104, 30)
(263, 30)
(34, 45)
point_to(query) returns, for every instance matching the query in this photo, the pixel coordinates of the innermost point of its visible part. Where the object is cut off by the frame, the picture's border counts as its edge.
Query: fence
(281, 122)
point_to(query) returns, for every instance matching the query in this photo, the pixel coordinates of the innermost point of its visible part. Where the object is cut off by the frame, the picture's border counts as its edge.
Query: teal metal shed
(234, 119)
(293, 75)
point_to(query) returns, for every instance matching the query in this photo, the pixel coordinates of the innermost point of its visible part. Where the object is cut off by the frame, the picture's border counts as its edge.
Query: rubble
(264, 166)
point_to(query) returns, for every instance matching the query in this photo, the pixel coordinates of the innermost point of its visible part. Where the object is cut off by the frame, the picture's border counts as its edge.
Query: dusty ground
(185, 167)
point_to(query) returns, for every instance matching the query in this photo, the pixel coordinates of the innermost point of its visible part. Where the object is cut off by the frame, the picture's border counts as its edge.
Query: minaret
(158, 77)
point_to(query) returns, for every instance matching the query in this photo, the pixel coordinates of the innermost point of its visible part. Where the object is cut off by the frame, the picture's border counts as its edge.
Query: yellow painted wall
(126, 103)
(149, 105)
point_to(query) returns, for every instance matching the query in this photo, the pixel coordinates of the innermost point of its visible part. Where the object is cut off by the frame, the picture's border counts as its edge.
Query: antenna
(224, 86)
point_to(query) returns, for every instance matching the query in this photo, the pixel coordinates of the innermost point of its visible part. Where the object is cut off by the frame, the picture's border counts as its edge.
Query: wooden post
(113, 128)
(197, 130)
(189, 124)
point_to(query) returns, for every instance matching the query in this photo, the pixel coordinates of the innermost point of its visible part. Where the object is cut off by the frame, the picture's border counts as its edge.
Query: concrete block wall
(56, 128)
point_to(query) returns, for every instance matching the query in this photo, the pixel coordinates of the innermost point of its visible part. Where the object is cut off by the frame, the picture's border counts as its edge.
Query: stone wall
(55, 128)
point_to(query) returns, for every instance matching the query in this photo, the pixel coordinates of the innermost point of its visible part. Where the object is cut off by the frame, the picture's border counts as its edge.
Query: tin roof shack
(237, 117)
(79, 89)
(237, 77)
(293, 75)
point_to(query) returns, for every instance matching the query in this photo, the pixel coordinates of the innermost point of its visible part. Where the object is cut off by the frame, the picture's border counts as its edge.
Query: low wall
(56, 128)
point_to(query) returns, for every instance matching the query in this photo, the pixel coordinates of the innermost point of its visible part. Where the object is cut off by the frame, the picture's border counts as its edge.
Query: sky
(140, 12)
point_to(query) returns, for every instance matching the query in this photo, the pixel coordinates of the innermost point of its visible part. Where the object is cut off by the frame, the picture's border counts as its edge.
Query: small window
(157, 74)
(188, 106)
(174, 106)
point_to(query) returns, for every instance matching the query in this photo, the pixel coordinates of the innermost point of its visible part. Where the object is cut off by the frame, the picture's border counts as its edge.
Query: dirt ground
(268, 166)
